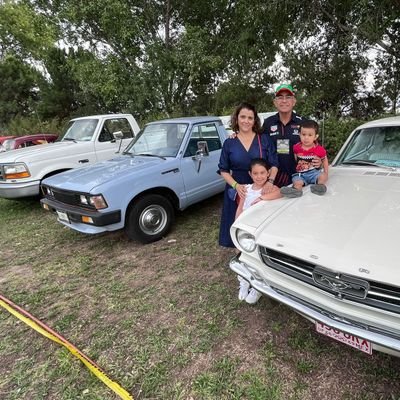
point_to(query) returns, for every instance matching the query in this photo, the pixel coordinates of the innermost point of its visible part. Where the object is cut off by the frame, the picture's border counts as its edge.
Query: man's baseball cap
(284, 87)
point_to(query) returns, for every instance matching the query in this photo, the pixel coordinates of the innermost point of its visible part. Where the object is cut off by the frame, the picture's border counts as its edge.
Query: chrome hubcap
(153, 219)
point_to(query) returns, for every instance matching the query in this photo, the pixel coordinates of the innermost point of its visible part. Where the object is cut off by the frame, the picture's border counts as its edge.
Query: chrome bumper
(380, 341)
(17, 190)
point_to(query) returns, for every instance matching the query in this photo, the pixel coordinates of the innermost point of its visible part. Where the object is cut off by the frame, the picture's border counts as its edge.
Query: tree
(337, 36)
(164, 55)
(60, 94)
(387, 76)
(18, 88)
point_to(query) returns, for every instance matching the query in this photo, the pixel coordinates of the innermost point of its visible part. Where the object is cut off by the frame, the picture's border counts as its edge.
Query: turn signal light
(18, 175)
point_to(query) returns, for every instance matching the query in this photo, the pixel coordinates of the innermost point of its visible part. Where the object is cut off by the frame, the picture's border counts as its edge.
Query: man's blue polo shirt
(284, 137)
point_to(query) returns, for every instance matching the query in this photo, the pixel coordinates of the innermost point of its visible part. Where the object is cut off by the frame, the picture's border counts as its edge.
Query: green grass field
(163, 320)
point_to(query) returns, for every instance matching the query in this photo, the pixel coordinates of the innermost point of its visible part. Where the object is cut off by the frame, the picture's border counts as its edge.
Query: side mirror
(202, 148)
(118, 135)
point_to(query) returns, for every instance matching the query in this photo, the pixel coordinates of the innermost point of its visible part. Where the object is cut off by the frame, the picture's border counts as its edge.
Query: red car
(19, 142)
(3, 138)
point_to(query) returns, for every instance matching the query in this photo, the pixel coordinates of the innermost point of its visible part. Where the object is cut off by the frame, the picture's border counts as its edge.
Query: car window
(114, 125)
(203, 132)
(80, 130)
(9, 144)
(105, 135)
(378, 145)
(163, 139)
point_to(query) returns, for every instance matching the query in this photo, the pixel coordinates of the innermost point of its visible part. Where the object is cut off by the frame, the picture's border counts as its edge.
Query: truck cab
(86, 140)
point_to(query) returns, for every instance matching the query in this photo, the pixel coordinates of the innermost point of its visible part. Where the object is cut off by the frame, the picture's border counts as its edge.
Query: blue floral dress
(235, 159)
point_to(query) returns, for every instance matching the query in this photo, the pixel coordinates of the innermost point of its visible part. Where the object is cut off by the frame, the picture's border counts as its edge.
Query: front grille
(1, 173)
(375, 294)
(66, 197)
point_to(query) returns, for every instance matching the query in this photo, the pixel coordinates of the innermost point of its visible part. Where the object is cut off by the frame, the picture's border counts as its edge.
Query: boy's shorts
(309, 177)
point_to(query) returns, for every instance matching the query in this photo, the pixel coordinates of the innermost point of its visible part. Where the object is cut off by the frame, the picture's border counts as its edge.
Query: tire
(149, 218)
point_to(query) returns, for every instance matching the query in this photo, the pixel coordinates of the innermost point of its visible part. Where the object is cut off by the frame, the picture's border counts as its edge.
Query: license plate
(62, 216)
(343, 337)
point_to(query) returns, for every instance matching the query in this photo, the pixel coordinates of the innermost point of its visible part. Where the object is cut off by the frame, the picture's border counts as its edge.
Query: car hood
(353, 228)
(89, 178)
(44, 151)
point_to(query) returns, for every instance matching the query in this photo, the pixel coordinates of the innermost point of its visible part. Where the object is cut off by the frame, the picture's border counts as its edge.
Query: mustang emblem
(335, 284)
(343, 285)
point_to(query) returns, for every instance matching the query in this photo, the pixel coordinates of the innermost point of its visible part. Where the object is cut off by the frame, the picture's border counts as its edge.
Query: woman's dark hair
(259, 161)
(235, 118)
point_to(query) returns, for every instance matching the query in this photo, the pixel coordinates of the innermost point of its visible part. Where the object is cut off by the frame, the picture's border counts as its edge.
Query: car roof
(36, 136)
(187, 120)
(102, 116)
(3, 138)
(391, 121)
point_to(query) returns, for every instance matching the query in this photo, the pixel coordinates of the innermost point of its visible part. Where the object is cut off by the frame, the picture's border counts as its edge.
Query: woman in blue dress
(235, 159)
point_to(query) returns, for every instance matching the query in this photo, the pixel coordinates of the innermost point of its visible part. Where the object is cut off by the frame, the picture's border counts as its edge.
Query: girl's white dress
(251, 195)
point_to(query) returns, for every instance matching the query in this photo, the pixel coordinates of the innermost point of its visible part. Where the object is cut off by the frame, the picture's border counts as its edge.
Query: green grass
(163, 320)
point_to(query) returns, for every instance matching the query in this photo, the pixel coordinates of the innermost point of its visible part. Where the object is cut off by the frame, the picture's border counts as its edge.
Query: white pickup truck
(86, 140)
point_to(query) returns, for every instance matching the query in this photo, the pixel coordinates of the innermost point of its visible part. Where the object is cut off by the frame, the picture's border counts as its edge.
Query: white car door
(106, 146)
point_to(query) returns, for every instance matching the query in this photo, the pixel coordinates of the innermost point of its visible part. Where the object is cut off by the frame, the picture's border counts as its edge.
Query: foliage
(167, 57)
(60, 94)
(20, 126)
(17, 88)
(24, 32)
(333, 133)
(388, 69)
(327, 59)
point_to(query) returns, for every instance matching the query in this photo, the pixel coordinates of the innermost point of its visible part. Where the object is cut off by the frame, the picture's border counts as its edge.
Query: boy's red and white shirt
(305, 156)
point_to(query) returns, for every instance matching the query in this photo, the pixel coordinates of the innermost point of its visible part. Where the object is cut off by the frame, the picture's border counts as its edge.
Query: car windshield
(162, 139)
(379, 146)
(9, 144)
(81, 130)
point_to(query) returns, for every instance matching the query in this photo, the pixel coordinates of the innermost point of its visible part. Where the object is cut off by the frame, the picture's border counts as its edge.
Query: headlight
(96, 201)
(84, 199)
(246, 240)
(47, 191)
(16, 171)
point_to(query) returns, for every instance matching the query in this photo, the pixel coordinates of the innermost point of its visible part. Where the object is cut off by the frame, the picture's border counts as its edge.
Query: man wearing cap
(284, 130)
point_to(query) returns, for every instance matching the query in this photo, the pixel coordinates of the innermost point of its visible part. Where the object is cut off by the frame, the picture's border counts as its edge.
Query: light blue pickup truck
(170, 165)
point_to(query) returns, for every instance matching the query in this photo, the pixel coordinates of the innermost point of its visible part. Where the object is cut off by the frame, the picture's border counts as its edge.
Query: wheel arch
(58, 171)
(162, 191)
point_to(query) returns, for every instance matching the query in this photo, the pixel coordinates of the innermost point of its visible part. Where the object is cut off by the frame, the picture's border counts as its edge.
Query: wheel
(149, 218)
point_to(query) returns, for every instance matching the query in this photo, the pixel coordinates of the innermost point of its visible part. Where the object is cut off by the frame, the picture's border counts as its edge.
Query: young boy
(259, 172)
(306, 174)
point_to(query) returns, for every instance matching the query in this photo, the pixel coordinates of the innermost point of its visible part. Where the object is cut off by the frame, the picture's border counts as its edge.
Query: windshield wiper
(70, 139)
(150, 155)
(364, 162)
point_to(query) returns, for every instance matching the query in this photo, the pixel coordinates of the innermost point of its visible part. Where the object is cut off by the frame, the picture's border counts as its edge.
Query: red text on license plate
(347, 338)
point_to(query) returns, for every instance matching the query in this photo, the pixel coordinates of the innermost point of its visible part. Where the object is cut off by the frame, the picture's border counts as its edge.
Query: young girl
(259, 173)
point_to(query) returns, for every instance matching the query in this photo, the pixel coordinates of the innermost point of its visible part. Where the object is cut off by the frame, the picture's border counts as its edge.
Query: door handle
(83, 161)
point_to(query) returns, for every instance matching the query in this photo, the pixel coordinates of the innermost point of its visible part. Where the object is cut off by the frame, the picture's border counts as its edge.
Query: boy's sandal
(318, 189)
(291, 192)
